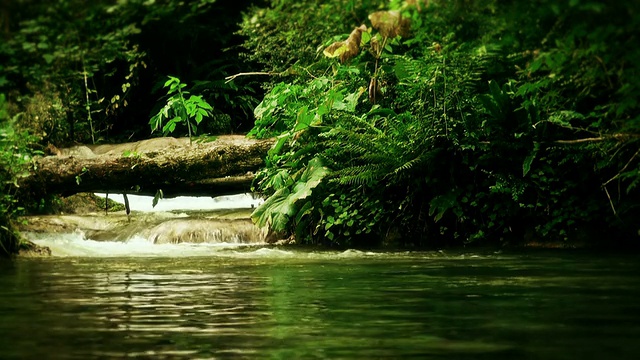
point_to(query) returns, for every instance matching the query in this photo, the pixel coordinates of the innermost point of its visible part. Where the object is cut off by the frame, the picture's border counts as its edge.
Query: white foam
(145, 203)
(75, 244)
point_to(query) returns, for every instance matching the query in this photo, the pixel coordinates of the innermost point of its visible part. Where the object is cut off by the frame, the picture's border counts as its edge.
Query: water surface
(243, 302)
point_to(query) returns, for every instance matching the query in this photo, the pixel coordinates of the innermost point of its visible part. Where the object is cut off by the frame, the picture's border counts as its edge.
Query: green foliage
(486, 122)
(287, 203)
(79, 176)
(298, 107)
(285, 37)
(15, 161)
(85, 71)
(180, 110)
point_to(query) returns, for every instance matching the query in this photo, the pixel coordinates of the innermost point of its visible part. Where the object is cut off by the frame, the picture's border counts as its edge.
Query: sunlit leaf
(390, 23)
(309, 179)
(347, 49)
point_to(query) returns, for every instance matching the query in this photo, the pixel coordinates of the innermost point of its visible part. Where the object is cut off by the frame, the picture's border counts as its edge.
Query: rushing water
(261, 303)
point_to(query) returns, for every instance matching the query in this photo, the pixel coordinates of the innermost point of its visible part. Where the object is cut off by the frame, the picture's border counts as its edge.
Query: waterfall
(186, 226)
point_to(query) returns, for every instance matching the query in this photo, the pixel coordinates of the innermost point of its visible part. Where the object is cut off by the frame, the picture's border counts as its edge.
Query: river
(136, 299)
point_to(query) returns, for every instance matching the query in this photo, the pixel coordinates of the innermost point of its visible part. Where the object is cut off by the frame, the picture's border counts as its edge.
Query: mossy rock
(29, 249)
(83, 203)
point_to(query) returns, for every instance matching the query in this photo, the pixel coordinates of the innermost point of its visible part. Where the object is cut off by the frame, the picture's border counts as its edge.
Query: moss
(82, 203)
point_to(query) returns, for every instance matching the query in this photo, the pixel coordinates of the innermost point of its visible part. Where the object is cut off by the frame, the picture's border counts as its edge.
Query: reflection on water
(267, 303)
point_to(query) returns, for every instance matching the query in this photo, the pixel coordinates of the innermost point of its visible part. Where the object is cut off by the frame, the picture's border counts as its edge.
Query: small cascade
(76, 245)
(225, 223)
(182, 230)
(198, 231)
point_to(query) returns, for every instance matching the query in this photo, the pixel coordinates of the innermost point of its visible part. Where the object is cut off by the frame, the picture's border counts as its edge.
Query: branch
(579, 141)
(232, 77)
(623, 168)
(610, 202)
(619, 137)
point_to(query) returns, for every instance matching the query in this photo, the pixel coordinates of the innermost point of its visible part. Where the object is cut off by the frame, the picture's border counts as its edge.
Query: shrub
(483, 123)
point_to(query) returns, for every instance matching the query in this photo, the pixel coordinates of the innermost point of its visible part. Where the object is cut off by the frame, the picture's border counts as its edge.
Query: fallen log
(220, 167)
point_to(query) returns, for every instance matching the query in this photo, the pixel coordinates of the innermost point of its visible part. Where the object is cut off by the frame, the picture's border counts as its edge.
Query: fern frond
(360, 175)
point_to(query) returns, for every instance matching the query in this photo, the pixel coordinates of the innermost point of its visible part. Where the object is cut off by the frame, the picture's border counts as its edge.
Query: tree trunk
(223, 166)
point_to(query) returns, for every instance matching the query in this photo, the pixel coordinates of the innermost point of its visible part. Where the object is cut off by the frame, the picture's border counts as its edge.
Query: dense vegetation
(94, 71)
(15, 159)
(75, 71)
(414, 123)
(440, 122)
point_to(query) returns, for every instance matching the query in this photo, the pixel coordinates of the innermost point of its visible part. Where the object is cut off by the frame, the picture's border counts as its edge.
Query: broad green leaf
(303, 120)
(28, 46)
(281, 206)
(366, 37)
(155, 122)
(306, 209)
(309, 179)
(279, 144)
(279, 180)
(190, 109)
(352, 99)
(320, 112)
(202, 114)
(275, 211)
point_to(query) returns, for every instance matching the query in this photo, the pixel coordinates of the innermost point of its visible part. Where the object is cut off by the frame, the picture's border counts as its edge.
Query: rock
(77, 151)
(29, 249)
(291, 240)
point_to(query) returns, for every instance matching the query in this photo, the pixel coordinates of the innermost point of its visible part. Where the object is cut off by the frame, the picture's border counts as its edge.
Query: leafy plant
(79, 176)
(472, 134)
(74, 76)
(15, 161)
(180, 110)
(286, 203)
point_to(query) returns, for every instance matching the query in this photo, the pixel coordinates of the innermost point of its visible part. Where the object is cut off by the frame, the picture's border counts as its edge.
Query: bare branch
(623, 168)
(232, 77)
(619, 137)
(610, 202)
